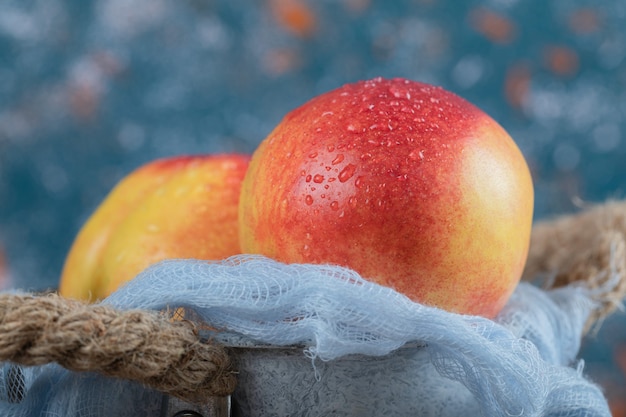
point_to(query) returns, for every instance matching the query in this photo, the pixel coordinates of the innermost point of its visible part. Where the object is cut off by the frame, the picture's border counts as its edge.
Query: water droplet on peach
(416, 155)
(338, 159)
(308, 178)
(347, 172)
(359, 182)
(313, 155)
(308, 200)
(399, 92)
(367, 107)
(334, 206)
(318, 179)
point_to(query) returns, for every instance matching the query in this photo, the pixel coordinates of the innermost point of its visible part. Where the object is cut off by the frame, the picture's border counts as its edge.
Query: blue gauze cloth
(522, 363)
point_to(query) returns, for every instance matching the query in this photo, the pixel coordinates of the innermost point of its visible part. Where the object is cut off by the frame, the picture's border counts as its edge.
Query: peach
(178, 207)
(408, 184)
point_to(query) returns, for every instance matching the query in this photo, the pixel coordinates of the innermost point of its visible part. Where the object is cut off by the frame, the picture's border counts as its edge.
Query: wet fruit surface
(408, 184)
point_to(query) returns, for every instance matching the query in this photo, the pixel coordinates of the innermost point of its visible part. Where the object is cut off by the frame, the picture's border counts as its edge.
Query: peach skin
(178, 207)
(408, 184)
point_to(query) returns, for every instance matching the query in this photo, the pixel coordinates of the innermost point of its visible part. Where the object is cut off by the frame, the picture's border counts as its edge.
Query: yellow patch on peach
(181, 207)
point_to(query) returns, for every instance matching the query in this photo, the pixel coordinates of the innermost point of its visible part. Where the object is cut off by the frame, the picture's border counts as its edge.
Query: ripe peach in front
(178, 207)
(408, 184)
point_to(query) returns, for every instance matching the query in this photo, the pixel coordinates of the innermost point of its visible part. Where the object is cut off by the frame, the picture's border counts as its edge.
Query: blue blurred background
(89, 90)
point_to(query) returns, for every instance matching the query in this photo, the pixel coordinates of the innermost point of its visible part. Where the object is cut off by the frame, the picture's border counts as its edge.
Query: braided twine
(143, 346)
(167, 355)
(587, 248)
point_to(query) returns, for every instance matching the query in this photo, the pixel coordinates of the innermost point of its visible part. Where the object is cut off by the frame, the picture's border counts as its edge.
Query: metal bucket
(277, 381)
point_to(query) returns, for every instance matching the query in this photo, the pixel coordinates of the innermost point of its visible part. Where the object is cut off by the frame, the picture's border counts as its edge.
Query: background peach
(179, 207)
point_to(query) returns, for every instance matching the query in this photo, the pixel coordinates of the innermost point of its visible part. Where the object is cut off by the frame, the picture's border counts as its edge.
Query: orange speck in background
(584, 21)
(561, 60)
(84, 101)
(517, 84)
(295, 16)
(280, 61)
(494, 26)
(4, 274)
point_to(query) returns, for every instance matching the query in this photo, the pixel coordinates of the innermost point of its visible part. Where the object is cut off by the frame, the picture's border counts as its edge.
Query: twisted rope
(587, 248)
(146, 347)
